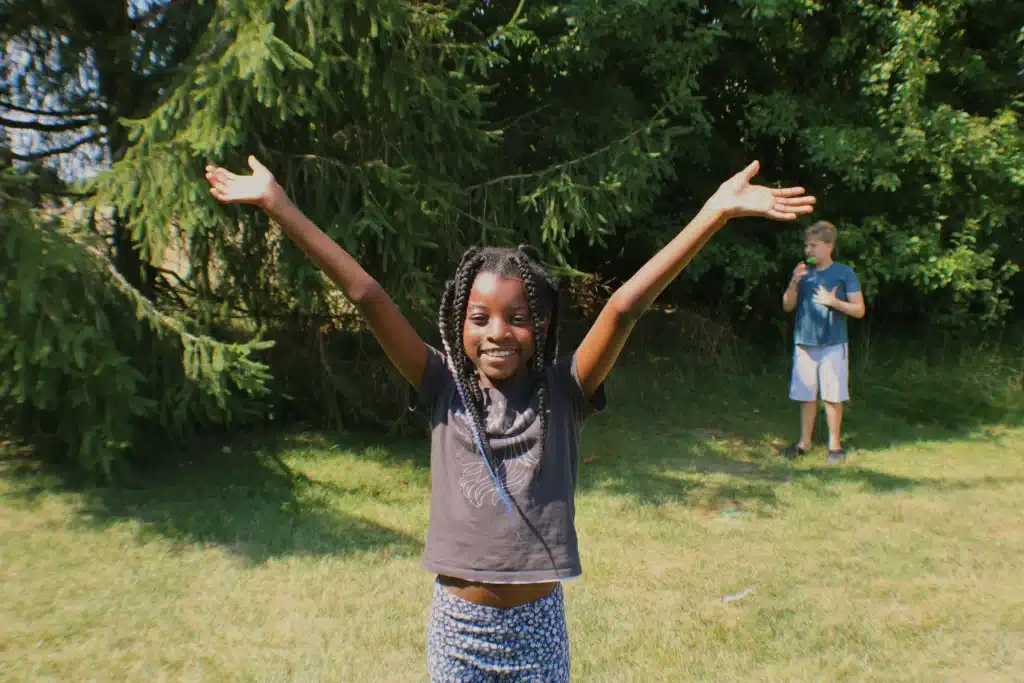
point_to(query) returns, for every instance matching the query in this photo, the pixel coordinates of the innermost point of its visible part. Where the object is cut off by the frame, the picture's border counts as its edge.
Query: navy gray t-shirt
(818, 325)
(471, 534)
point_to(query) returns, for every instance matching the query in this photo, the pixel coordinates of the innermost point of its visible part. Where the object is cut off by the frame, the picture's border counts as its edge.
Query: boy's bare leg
(834, 417)
(808, 415)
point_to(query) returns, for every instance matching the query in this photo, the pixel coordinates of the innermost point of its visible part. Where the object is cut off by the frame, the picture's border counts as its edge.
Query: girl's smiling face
(498, 332)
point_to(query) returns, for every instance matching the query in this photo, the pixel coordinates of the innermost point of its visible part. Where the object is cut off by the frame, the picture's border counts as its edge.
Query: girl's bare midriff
(496, 594)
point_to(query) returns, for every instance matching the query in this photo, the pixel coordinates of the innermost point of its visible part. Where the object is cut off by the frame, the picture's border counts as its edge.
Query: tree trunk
(119, 90)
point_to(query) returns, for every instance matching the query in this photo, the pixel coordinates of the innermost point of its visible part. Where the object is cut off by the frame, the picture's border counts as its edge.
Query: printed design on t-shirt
(813, 281)
(515, 463)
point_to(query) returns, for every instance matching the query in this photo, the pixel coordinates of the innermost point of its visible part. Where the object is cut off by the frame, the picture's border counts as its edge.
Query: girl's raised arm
(599, 350)
(396, 335)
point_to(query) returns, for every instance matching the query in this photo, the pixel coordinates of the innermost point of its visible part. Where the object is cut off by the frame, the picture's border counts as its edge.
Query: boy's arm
(600, 348)
(853, 307)
(393, 331)
(855, 297)
(791, 297)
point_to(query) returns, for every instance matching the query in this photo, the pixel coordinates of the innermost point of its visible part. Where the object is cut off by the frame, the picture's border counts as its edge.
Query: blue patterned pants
(471, 643)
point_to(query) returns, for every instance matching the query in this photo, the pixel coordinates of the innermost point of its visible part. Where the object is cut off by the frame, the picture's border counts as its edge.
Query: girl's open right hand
(260, 188)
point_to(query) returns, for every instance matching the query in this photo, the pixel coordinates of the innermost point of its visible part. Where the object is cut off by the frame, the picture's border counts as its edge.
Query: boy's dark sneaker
(836, 456)
(793, 451)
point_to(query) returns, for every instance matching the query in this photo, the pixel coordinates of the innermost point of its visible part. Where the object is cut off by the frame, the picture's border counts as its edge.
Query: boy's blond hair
(822, 230)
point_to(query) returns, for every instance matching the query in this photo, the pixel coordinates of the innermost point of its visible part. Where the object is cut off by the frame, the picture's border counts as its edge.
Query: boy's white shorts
(821, 369)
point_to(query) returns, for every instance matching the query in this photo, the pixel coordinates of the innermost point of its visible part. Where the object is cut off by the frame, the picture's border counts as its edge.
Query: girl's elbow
(365, 293)
(625, 309)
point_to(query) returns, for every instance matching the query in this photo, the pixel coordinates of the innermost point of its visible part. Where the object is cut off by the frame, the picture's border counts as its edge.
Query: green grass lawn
(302, 564)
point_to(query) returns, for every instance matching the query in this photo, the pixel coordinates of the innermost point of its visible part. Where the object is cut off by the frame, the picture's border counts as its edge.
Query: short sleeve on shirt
(435, 381)
(852, 282)
(566, 382)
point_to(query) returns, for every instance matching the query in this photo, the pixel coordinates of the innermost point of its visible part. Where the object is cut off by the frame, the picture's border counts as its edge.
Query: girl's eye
(520, 320)
(478, 319)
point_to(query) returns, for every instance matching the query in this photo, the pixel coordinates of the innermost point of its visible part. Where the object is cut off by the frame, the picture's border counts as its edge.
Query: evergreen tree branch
(144, 306)
(36, 156)
(561, 166)
(91, 111)
(71, 194)
(153, 13)
(512, 123)
(515, 16)
(61, 127)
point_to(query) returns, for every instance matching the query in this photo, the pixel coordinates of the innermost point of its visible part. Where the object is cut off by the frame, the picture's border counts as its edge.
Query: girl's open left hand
(737, 197)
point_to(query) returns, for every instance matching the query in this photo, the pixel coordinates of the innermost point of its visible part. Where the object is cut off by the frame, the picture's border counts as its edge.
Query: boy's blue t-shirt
(818, 325)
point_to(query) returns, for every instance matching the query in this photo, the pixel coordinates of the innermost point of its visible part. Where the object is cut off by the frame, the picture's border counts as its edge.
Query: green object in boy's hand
(811, 260)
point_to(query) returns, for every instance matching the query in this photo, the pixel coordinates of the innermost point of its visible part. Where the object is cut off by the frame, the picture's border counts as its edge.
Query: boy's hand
(798, 273)
(260, 188)
(737, 197)
(824, 297)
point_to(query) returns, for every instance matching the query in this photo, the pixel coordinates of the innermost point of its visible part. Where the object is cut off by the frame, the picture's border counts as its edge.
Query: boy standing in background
(823, 293)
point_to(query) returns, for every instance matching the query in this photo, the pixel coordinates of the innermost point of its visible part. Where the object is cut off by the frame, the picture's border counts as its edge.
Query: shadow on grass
(672, 426)
(671, 434)
(247, 501)
(692, 474)
(897, 398)
(714, 471)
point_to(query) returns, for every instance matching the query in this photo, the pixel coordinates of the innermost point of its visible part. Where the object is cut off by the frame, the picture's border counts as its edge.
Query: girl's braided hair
(542, 295)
